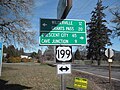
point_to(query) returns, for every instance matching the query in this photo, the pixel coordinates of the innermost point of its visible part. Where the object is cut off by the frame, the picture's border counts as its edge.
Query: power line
(81, 8)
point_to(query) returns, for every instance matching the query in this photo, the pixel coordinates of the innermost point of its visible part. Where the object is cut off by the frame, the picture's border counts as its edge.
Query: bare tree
(49, 53)
(14, 26)
(116, 20)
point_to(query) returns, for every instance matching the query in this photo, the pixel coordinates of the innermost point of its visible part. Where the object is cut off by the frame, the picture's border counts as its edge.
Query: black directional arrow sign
(64, 68)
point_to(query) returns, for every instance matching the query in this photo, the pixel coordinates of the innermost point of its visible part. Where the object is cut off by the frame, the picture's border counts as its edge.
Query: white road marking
(96, 75)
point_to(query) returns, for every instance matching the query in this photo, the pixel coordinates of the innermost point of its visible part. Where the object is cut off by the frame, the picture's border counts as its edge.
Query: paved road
(101, 70)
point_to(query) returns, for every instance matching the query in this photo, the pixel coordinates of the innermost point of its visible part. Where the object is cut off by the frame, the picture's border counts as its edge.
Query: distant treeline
(12, 51)
(13, 55)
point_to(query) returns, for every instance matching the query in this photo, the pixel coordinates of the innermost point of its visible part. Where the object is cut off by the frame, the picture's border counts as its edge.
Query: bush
(14, 60)
(26, 60)
(4, 59)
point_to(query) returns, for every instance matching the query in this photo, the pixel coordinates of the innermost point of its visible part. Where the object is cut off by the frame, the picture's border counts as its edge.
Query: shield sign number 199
(63, 54)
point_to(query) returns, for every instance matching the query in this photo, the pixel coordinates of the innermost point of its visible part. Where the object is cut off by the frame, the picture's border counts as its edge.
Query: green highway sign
(62, 32)
(61, 38)
(63, 25)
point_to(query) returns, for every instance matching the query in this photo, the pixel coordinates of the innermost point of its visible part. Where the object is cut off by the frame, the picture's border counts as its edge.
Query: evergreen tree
(4, 49)
(21, 51)
(49, 53)
(98, 33)
(11, 51)
(17, 52)
(39, 52)
(34, 55)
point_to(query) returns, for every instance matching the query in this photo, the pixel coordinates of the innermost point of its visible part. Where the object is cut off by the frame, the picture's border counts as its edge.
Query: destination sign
(63, 38)
(63, 25)
(62, 32)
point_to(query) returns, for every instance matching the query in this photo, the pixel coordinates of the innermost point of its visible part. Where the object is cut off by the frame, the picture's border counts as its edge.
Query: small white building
(24, 56)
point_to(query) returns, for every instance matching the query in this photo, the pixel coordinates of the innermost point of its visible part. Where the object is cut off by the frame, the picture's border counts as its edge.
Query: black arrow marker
(66, 68)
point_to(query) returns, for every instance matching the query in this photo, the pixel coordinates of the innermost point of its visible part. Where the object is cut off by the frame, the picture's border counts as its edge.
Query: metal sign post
(63, 69)
(63, 8)
(63, 54)
(63, 82)
(109, 66)
(109, 72)
(109, 53)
